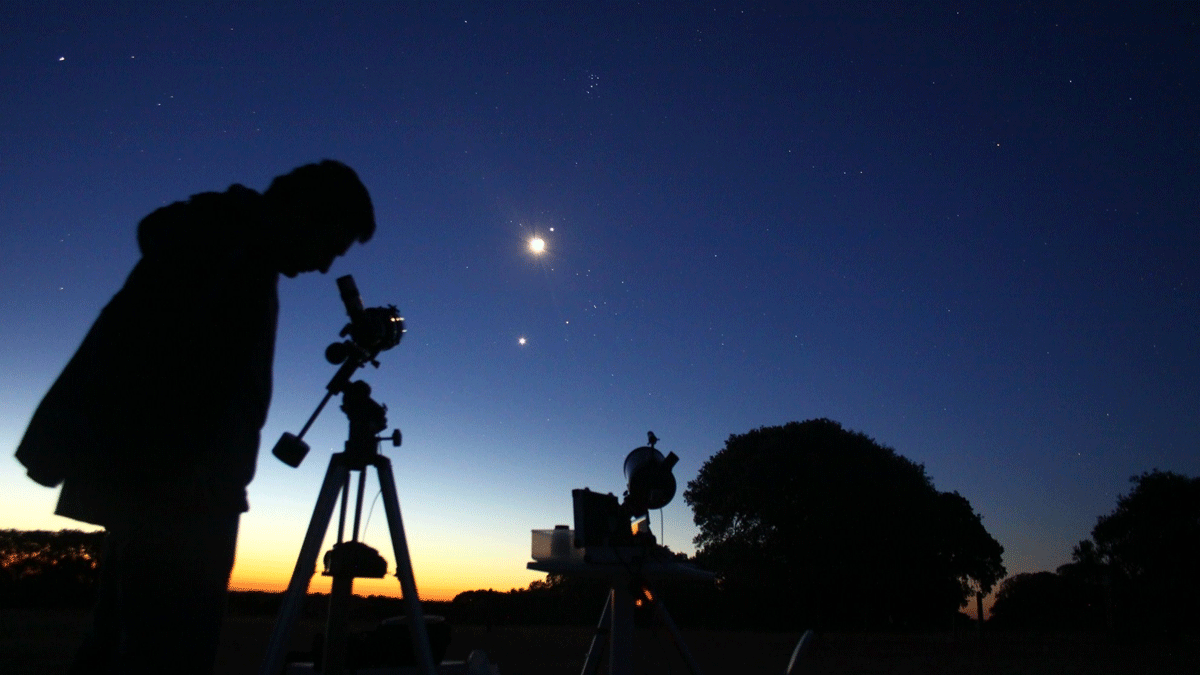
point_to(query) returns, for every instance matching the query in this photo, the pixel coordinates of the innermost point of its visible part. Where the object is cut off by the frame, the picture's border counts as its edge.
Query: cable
(369, 512)
(662, 527)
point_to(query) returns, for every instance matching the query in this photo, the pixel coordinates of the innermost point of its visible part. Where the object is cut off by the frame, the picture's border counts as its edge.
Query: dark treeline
(49, 569)
(371, 608)
(557, 601)
(1138, 573)
(807, 525)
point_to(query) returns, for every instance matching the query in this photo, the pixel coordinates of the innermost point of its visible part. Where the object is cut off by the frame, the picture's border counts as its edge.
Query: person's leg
(176, 581)
(214, 564)
(103, 644)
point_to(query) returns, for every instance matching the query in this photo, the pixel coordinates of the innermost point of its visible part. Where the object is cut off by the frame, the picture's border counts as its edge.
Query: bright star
(521, 341)
(537, 245)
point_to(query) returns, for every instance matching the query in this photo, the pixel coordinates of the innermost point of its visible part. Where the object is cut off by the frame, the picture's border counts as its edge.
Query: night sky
(969, 234)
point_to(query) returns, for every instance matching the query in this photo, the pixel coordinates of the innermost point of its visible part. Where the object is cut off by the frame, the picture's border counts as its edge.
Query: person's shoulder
(241, 192)
(235, 195)
(206, 219)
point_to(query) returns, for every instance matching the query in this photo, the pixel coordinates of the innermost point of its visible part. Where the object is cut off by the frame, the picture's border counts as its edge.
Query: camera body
(371, 329)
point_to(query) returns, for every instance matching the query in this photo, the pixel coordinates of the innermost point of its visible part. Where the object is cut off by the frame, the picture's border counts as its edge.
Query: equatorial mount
(367, 418)
(370, 331)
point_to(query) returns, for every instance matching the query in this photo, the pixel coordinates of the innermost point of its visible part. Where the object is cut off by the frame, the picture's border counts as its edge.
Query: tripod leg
(661, 610)
(620, 640)
(592, 662)
(408, 584)
(306, 565)
(336, 624)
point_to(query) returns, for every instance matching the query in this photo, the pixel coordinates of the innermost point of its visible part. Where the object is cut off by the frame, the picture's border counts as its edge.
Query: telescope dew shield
(350, 296)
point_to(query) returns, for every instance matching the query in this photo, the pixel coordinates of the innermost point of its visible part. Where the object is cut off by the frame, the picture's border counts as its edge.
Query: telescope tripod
(616, 624)
(350, 559)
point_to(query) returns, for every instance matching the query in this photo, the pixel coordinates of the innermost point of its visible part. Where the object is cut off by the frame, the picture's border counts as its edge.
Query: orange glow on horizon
(388, 586)
(439, 581)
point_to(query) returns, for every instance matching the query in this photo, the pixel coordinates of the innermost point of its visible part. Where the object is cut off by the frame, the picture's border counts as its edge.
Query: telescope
(651, 485)
(371, 330)
(606, 545)
(603, 521)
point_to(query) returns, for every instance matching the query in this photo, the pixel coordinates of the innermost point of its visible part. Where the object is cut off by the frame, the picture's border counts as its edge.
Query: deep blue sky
(970, 234)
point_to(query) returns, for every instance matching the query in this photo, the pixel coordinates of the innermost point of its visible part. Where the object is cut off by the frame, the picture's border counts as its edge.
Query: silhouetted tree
(1048, 601)
(1091, 586)
(964, 548)
(40, 568)
(809, 523)
(558, 600)
(1149, 549)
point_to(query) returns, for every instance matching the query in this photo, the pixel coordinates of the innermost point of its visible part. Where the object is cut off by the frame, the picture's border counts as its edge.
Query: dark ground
(41, 642)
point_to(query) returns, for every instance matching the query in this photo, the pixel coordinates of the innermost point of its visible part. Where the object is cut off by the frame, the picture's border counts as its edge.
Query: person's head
(318, 211)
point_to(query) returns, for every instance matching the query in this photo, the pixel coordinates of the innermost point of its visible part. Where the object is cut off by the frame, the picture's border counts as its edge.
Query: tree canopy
(1149, 550)
(1048, 601)
(811, 522)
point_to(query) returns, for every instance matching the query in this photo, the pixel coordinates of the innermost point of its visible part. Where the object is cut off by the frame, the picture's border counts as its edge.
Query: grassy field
(41, 642)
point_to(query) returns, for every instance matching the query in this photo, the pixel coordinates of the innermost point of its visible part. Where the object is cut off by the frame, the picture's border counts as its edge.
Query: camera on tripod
(371, 330)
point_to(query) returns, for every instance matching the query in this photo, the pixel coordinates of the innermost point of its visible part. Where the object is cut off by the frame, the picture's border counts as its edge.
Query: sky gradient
(971, 235)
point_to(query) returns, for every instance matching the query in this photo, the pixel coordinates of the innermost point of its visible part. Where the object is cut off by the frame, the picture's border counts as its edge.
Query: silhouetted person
(152, 428)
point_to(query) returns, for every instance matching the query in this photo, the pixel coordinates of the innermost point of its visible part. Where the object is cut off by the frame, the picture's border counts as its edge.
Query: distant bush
(557, 601)
(49, 569)
(1047, 601)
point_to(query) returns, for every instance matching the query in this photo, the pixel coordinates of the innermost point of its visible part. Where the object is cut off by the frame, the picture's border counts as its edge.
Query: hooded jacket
(161, 406)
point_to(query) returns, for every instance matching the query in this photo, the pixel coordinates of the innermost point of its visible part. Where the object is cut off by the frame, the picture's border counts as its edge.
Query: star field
(968, 233)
